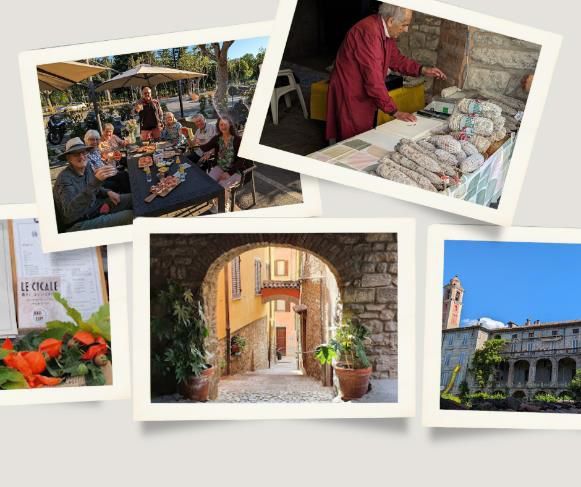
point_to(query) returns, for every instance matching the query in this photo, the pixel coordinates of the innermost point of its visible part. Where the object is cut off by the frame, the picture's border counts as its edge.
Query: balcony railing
(534, 353)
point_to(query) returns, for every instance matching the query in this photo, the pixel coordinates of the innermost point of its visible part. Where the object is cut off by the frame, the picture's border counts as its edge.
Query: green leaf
(12, 379)
(72, 312)
(4, 352)
(58, 332)
(99, 323)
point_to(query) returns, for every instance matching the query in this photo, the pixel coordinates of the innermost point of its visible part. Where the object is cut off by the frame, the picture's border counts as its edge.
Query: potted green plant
(180, 331)
(237, 345)
(352, 366)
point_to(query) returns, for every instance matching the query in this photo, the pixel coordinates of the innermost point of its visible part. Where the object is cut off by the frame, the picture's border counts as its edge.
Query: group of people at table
(93, 191)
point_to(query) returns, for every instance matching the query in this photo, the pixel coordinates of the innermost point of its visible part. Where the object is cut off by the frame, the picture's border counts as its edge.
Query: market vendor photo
(431, 104)
(61, 339)
(150, 132)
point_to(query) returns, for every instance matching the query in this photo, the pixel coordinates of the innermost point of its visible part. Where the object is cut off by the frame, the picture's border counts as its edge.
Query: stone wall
(422, 41)
(497, 63)
(472, 58)
(313, 297)
(255, 354)
(364, 265)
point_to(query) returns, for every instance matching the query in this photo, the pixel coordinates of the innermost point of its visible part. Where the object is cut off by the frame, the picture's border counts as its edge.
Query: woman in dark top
(225, 144)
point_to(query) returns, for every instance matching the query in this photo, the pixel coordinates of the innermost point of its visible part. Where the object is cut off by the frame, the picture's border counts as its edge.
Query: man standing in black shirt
(150, 115)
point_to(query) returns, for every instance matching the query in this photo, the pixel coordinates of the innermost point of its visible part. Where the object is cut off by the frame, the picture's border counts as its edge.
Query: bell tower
(452, 306)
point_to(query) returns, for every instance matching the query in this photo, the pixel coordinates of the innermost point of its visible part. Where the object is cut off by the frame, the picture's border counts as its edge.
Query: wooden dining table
(198, 188)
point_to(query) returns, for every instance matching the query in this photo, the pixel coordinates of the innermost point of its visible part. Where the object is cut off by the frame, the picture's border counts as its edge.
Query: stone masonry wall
(497, 63)
(472, 58)
(255, 354)
(365, 267)
(422, 41)
(313, 298)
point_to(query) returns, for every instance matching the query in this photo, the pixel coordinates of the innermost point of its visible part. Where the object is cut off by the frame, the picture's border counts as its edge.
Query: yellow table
(407, 99)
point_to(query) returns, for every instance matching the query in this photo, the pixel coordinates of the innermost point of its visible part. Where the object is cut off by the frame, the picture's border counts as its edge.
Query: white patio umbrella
(147, 75)
(60, 76)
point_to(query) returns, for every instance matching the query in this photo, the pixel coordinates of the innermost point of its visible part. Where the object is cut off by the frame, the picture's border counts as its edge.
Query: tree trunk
(221, 96)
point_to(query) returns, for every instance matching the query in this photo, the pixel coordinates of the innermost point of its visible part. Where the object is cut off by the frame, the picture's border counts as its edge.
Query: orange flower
(7, 345)
(30, 365)
(51, 346)
(36, 361)
(41, 380)
(16, 361)
(93, 351)
(84, 337)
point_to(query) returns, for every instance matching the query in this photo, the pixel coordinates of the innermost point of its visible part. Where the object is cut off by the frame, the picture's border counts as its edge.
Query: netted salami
(473, 106)
(475, 124)
(388, 172)
(439, 181)
(420, 180)
(415, 155)
(468, 147)
(472, 163)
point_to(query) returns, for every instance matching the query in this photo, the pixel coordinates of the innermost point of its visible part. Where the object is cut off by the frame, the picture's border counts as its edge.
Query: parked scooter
(57, 126)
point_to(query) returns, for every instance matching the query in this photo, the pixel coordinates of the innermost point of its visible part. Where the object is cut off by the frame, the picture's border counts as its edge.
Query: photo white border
(145, 410)
(118, 298)
(504, 215)
(432, 414)
(50, 237)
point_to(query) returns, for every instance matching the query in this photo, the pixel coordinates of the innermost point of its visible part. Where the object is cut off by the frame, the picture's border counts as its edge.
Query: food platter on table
(163, 188)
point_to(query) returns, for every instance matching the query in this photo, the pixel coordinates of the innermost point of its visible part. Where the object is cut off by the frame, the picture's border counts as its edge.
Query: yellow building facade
(239, 301)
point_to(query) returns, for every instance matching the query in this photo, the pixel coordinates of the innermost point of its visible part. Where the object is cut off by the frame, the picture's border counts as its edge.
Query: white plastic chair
(286, 91)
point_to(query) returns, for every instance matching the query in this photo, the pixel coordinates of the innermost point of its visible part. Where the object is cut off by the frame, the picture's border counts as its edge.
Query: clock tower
(452, 306)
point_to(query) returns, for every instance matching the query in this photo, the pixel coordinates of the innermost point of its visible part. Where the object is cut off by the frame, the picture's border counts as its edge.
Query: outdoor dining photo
(156, 133)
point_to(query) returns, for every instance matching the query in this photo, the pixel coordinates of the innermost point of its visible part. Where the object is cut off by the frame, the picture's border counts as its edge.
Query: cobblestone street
(281, 383)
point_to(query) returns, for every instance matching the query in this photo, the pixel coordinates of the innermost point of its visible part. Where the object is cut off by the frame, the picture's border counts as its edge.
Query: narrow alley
(281, 383)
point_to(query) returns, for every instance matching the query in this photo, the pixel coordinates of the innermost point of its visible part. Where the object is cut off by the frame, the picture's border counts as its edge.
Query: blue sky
(244, 46)
(513, 281)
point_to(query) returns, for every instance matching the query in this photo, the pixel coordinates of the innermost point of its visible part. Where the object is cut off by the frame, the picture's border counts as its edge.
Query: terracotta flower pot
(354, 383)
(197, 388)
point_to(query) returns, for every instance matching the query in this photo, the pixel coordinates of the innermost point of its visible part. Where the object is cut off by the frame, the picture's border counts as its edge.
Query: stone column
(554, 373)
(532, 373)
(510, 378)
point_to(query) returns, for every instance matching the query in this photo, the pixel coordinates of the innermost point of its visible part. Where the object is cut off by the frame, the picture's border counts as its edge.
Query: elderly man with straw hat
(81, 201)
(357, 84)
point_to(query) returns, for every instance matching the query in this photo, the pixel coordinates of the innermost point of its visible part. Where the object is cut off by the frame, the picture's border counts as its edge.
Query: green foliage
(575, 385)
(485, 361)
(325, 354)
(551, 398)
(178, 334)
(11, 379)
(451, 397)
(98, 324)
(348, 346)
(485, 396)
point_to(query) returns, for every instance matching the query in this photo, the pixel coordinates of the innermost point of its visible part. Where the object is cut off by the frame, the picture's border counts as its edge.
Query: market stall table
(362, 153)
(198, 188)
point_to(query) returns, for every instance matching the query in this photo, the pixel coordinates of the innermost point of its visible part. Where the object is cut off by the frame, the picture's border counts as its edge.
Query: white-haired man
(357, 85)
(204, 133)
(81, 200)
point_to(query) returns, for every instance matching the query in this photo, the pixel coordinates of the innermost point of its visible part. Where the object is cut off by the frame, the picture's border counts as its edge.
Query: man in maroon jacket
(357, 86)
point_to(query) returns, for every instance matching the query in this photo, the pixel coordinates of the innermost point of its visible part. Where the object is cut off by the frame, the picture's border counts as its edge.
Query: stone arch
(564, 394)
(566, 370)
(364, 266)
(502, 372)
(544, 371)
(519, 394)
(521, 372)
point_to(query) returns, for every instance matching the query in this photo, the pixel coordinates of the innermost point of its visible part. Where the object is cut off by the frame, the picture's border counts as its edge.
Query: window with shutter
(257, 276)
(236, 281)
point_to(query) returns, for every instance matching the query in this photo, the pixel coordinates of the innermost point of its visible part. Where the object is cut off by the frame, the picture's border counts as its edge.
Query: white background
(98, 443)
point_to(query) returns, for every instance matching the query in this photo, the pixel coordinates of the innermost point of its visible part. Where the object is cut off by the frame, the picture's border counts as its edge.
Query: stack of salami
(433, 164)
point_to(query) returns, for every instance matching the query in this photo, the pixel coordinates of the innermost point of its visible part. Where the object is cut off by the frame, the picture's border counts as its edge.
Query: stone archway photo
(245, 283)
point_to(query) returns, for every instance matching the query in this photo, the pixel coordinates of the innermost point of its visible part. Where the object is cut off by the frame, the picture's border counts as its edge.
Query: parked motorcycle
(57, 126)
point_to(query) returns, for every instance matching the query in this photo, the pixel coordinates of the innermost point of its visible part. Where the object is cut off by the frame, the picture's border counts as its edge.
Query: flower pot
(197, 388)
(235, 349)
(354, 383)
